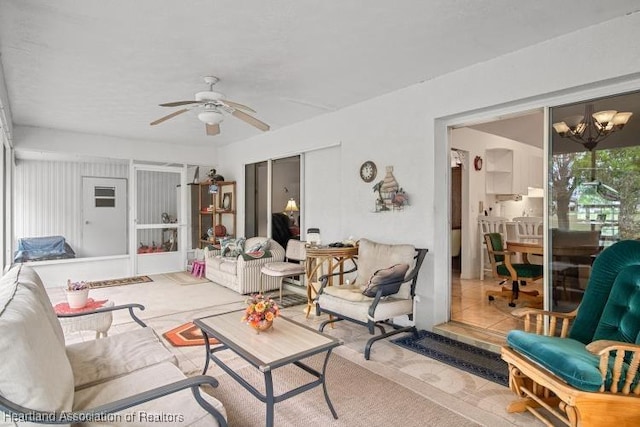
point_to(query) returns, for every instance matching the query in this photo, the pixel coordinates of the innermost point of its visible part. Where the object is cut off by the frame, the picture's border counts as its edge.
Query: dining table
(526, 247)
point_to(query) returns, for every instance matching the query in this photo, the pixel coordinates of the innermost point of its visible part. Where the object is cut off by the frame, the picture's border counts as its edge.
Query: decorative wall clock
(477, 163)
(368, 171)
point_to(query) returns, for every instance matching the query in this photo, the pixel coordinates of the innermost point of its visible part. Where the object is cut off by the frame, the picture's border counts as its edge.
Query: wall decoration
(214, 176)
(477, 163)
(391, 196)
(368, 171)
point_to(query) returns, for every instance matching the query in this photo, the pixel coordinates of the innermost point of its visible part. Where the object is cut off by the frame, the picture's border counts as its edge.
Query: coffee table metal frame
(228, 342)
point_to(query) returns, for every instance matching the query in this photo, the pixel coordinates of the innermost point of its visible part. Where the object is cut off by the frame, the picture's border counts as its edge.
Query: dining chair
(489, 224)
(502, 266)
(529, 227)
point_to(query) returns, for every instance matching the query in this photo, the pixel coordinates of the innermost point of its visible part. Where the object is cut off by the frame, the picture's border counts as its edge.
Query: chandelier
(591, 128)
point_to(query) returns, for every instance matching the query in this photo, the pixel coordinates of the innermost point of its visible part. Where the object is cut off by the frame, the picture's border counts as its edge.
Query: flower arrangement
(260, 311)
(77, 294)
(77, 286)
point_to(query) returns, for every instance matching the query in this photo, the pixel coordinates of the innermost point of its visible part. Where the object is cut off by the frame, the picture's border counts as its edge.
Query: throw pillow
(232, 247)
(248, 256)
(261, 246)
(390, 279)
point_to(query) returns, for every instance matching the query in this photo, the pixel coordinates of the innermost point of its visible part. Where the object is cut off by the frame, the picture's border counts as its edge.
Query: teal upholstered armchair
(518, 273)
(583, 366)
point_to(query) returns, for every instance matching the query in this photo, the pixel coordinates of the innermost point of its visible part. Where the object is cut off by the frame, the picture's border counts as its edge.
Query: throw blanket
(42, 248)
(63, 307)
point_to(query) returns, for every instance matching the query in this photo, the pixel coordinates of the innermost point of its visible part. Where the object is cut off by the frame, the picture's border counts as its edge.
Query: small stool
(197, 269)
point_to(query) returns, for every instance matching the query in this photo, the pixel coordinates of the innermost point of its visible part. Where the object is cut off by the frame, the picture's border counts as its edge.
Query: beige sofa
(129, 378)
(240, 274)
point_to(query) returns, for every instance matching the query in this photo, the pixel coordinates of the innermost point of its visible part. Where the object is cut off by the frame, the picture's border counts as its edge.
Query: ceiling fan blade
(237, 105)
(169, 116)
(212, 129)
(251, 120)
(178, 103)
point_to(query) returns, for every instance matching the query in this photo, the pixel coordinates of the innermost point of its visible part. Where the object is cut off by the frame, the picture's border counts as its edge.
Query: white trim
(76, 260)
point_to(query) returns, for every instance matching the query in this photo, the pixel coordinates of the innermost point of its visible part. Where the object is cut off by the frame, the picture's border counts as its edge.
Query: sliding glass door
(594, 187)
(273, 199)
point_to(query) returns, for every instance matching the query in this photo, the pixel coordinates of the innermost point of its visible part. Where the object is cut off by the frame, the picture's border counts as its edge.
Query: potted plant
(260, 312)
(77, 294)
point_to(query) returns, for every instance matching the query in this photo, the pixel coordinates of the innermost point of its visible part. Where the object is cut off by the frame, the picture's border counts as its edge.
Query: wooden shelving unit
(214, 209)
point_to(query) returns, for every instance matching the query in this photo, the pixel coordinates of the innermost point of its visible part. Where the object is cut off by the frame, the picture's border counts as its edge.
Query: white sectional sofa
(125, 379)
(240, 274)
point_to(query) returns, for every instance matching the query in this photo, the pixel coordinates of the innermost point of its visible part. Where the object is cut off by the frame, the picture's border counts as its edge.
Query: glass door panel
(594, 183)
(158, 222)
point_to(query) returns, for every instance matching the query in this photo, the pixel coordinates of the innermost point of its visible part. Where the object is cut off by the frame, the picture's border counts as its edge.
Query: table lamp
(291, 208)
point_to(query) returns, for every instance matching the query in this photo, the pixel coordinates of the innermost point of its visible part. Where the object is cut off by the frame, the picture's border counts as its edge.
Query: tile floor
(476, 320)
(478, 399)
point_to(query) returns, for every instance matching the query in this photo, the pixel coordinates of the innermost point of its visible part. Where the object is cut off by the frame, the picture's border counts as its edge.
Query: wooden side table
(326, 260)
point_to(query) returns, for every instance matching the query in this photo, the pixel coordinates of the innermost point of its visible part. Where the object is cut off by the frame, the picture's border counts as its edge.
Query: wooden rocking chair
(582, 367)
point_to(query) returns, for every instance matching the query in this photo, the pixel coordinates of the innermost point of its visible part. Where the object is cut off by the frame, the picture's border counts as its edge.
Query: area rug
(290, 300)
(466, 357)
(186, 335)
(185, 278)
(119, 282)
(361, 398)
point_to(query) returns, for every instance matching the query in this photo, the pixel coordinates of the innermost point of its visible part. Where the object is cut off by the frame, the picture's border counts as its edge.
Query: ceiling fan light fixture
(209, 95)
(210, 117)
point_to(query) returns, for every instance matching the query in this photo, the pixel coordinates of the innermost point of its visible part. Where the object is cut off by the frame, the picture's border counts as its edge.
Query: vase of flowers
(77, 294)
(260, 312)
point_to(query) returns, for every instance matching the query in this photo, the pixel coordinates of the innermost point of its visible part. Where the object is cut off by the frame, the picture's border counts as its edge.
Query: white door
(104, 216)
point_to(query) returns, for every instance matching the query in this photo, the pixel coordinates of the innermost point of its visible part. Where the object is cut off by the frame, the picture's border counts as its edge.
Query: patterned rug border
(186, 335)
(413, 343)
(119, 282)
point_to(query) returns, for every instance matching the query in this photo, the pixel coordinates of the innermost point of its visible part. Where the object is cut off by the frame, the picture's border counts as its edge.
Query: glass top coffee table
(287, 342)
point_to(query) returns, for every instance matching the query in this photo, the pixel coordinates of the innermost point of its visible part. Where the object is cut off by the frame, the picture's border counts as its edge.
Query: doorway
(473, 194)
(159, 218)
(104, 216)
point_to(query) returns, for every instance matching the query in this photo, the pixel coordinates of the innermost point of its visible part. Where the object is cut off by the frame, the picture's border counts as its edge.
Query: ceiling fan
(212, 105)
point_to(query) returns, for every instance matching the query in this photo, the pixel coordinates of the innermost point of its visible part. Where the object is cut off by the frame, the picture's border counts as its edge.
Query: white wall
(406, 129)
(400, 129)
(48, 197)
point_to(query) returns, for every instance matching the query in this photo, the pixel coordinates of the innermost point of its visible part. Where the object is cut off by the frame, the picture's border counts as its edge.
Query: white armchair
(383, 290)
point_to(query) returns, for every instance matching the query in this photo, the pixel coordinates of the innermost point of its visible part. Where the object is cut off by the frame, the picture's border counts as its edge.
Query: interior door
(159, 218)
(104, 216)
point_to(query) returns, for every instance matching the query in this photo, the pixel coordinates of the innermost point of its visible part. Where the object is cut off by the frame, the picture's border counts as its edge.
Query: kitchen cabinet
(510, 172)
(499, 171)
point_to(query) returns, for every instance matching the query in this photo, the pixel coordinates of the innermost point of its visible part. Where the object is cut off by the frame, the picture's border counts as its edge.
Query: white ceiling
(102, 67)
